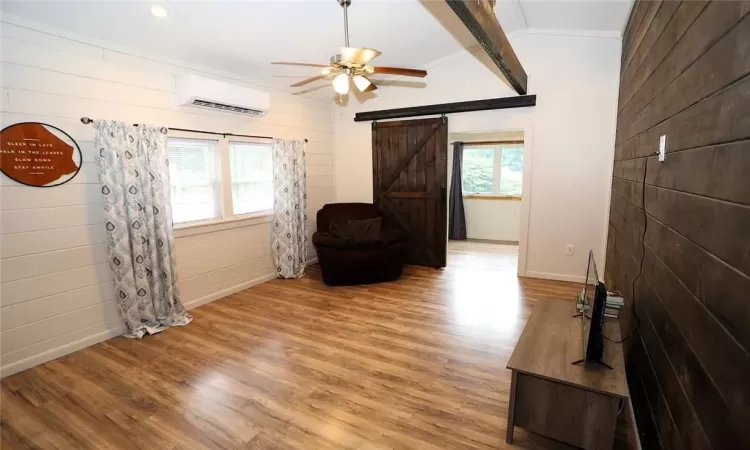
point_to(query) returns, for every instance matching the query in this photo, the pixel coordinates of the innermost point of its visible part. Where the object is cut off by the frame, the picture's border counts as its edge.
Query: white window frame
(496, 172)
(227, 219)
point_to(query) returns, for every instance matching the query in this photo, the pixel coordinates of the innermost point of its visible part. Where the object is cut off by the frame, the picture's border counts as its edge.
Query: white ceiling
(586, 15)
(242, 37)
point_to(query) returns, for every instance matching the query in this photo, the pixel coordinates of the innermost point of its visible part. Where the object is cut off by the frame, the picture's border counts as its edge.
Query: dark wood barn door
(410, 163)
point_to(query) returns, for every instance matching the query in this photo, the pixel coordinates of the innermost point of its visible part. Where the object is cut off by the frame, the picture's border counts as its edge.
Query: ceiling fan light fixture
(361, 82)
(341, 84)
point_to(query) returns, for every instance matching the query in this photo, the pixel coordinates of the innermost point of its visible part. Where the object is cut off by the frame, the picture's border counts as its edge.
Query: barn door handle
(443, 194)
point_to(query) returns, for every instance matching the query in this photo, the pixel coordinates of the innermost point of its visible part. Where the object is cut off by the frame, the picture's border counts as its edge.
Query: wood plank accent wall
(684, 73)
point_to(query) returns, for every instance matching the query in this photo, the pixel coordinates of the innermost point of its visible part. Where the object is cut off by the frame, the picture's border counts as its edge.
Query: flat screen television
(595, 295)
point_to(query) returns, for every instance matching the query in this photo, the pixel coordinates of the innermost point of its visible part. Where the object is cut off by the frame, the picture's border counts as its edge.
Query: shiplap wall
(56, 283)
(685, 74)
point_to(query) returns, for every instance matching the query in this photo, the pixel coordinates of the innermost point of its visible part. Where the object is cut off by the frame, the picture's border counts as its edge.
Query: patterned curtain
(134, 175)
(289, 239)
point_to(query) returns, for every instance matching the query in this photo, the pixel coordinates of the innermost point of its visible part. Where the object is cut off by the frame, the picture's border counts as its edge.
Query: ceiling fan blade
(400, 71)
(358, 55)
(299, 64)
(308, 80)
(371, 87)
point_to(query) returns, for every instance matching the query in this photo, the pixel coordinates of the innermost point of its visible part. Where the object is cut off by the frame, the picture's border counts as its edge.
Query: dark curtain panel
(456, 216)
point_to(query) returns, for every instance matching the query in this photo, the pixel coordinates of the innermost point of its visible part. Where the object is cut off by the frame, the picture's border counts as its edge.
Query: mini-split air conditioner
(193, 90)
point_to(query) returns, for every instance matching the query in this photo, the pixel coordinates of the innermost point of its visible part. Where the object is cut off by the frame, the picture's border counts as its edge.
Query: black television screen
(595, 294)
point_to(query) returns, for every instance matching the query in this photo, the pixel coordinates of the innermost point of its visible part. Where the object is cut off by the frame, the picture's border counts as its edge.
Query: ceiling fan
(351, 65)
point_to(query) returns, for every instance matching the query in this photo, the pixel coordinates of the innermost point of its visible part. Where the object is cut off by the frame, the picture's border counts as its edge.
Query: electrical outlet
(662, 147)
(570, 250)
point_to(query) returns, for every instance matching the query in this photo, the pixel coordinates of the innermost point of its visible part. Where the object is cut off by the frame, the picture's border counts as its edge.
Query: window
(493, 171)
(252, 177)
(192, 174)
(511, 171)
(479, 170)
(219, 179)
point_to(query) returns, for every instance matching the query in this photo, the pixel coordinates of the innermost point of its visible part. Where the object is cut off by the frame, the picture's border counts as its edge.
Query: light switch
(662, 147)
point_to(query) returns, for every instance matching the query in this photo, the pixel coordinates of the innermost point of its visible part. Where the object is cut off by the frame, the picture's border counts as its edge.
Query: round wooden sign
(37, 154)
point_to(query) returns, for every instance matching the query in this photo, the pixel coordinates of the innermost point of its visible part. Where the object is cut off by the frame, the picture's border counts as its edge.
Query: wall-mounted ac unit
(193, 90)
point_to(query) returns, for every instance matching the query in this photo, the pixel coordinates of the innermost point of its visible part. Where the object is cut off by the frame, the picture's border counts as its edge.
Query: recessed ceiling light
(158, 11)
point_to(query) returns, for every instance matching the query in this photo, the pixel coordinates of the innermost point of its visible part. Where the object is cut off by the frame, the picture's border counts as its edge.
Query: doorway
(492, 176)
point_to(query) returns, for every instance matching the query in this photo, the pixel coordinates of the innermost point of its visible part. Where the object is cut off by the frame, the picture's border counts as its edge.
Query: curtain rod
(87, 121)
(488, 142)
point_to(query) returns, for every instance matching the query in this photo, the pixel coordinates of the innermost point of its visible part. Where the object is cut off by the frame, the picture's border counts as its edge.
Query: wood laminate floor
(418, 363)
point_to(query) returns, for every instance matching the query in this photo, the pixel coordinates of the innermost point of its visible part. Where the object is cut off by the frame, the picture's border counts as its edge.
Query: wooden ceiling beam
(479, 17)
(518, 101)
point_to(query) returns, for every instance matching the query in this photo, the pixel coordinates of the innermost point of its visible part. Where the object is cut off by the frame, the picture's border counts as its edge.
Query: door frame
(523, 239)
(528, 149)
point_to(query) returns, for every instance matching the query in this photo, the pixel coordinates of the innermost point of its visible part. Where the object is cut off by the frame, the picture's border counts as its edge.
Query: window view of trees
(477, 171)
(511, 171)
(488, 170)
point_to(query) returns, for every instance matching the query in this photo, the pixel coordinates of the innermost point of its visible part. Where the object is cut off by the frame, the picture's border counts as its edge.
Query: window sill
(492, 197)
(214, 225)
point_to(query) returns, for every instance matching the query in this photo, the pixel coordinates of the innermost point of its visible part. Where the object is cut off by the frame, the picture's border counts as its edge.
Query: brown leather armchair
(344, 262)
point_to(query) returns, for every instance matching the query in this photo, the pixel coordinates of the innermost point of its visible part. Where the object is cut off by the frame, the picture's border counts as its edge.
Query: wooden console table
(549, 396)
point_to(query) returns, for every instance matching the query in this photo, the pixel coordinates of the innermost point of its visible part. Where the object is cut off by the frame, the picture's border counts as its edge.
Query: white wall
(497, 220)
(56, 284)
(575, 79)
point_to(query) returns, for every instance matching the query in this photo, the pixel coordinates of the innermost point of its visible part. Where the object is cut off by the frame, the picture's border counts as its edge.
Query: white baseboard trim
(229, 291)
(556, 276)
(312, 261)
(62, 350)
(88, 341)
